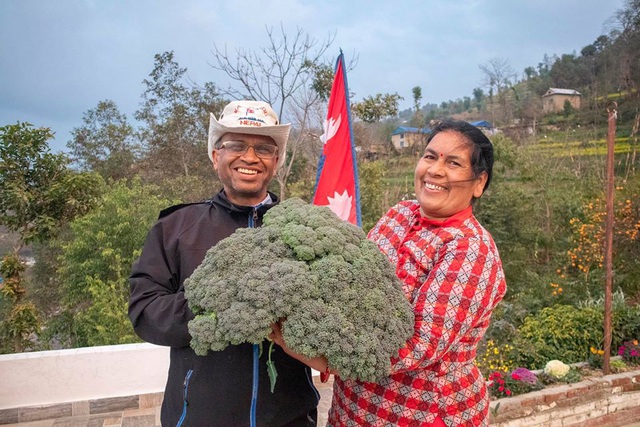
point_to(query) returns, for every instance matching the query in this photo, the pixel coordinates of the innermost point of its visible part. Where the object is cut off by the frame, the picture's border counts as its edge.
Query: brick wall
(608, 401)
(81, 412)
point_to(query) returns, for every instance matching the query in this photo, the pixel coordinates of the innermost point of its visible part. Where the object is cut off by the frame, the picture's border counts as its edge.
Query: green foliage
(417, 97)
(560, 332)
(18, 327)
(95, 262)
(338, 293)
(567, 108)
(626, 316)
(626, 322)
(11, 266)
(38, 193)
(322, 81)
(104, 143)
(371, 192)
(20, 318)
(374, 108)
(175, 114)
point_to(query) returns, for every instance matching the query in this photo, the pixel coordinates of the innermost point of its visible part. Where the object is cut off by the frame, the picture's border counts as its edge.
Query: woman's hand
(319, 363)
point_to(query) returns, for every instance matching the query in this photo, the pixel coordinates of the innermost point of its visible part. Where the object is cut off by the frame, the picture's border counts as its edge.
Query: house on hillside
(553, 100)
(404, 137)
(484, 126)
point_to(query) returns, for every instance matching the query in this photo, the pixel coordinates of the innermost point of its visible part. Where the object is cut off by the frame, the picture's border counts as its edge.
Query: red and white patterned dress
(452, 274)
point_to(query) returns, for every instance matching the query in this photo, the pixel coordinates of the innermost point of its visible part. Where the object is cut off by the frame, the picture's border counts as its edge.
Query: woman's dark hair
(482, 149)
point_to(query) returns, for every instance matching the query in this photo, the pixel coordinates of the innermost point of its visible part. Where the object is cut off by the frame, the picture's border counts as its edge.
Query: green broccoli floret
(337, 292)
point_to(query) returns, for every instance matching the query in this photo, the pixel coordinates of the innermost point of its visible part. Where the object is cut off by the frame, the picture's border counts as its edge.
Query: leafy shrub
(617, 365)
(626, 323)
(558, 332)
(95, 262)
(626, 317)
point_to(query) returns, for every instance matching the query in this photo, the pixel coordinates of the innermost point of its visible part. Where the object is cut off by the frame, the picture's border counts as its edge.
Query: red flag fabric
(337, 178)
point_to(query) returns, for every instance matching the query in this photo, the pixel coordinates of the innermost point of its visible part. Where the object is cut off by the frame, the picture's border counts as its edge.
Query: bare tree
(281, 73)
(499, 77)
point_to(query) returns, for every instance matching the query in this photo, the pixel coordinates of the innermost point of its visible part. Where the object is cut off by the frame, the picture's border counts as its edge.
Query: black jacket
(214, 390)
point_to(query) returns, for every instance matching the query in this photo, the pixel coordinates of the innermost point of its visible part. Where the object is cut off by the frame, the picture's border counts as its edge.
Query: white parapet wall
(81, 374)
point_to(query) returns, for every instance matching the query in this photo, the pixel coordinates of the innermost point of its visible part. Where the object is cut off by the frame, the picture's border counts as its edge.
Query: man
(229, 387)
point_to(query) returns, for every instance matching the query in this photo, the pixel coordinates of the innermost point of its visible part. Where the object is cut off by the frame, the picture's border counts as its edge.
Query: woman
(452, 274)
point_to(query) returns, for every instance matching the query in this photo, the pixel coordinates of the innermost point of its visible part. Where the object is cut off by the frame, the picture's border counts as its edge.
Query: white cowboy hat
(253, 118)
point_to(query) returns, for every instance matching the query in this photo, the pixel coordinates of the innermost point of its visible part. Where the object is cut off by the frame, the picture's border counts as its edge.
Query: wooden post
(608, 247)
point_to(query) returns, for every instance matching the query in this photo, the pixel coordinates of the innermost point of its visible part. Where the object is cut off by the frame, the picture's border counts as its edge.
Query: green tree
(38, 194)
(417, 97)
(105, 142)
(478, 96)
(627, 21)
(322, 79)
(375, 108)
(176, 122)
(530, 72)
(570, 72)
(95, 262)
(567, 108)
(417, 120)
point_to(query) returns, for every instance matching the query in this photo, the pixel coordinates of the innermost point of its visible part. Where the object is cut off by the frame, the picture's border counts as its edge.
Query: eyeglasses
(263, 151)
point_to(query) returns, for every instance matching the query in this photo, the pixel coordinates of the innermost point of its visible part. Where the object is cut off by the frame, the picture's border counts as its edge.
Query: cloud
(61, 58)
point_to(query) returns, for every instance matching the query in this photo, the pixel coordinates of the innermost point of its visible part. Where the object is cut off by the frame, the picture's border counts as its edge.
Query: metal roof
(557, 91)
(407, 129)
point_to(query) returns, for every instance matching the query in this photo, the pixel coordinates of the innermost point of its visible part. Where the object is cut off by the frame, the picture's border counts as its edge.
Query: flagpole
(352, 139)
(337, 183)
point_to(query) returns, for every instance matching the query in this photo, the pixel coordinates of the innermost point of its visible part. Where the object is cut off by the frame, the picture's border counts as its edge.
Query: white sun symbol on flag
(340, 204)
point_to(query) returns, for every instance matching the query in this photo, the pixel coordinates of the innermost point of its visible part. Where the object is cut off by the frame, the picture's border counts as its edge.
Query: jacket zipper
(185, 403)
(253, 218)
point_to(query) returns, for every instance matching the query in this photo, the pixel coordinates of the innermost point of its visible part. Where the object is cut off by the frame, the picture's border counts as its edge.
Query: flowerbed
(597, 401)
(566, 395)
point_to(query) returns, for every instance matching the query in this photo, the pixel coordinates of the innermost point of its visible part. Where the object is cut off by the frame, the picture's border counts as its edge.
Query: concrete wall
(82, 374)
(101, 380)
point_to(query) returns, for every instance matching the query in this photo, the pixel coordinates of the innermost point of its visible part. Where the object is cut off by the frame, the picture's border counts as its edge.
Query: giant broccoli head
(338, 293)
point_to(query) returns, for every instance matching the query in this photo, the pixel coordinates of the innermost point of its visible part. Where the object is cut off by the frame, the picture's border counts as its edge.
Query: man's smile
(245, 171)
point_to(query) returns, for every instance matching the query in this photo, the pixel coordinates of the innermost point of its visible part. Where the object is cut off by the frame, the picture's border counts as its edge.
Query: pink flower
(524, 375)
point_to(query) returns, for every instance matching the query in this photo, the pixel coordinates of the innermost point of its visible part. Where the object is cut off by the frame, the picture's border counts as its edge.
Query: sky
(60, 58)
